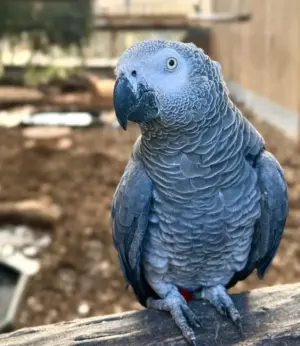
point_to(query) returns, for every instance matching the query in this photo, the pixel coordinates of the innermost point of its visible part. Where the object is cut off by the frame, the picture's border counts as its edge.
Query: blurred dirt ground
(80, 274)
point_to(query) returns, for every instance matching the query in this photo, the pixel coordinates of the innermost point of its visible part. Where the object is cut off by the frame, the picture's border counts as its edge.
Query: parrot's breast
(200, 228)
(206, 201)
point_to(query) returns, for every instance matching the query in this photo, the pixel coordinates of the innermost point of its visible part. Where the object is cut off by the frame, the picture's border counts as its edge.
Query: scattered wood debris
(40, 213)
(53, 138)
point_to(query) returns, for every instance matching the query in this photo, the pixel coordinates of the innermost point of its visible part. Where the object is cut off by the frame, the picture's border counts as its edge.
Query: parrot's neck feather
(158, 136)
(172, 136)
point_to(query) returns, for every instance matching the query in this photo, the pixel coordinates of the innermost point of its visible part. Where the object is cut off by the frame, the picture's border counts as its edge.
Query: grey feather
(274, 210)
(130, 213)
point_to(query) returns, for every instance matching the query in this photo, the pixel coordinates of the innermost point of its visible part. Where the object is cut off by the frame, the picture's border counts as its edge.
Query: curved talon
(193, 320)
(219, 298)
(182, 314)
(238, 324)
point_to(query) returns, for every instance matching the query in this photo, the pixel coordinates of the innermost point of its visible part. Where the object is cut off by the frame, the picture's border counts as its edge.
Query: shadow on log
(270, 316)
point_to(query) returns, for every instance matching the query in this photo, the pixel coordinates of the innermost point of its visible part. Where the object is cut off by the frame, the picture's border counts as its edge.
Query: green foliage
(46, 24)
(34, 77)
(62, 23)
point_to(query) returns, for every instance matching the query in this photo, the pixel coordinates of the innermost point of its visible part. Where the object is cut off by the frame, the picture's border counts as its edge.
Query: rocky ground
(80, 275)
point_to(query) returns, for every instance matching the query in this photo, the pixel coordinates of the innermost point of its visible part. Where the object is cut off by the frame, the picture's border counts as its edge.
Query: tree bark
(270, 316)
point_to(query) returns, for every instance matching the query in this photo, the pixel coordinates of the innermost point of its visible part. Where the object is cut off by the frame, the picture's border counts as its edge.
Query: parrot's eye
(171, 63)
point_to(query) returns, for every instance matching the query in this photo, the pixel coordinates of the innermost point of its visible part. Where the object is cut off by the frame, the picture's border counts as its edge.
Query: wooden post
(297, 49)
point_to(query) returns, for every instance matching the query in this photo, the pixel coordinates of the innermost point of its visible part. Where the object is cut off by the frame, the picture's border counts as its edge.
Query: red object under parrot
(187, 295)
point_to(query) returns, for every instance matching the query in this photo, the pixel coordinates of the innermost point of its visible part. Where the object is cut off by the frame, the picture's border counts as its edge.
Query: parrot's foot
(183, 316)
(219, 298)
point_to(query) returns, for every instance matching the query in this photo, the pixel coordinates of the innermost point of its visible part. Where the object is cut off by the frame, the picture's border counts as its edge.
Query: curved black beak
(131, 105)
(124, 100)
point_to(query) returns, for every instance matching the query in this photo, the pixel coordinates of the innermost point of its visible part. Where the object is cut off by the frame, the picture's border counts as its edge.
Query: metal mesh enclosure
(70, 22)
(168, 6)
(144, 6)
(111, 44)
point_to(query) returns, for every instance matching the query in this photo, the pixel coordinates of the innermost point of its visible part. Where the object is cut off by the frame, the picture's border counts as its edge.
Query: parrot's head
(169, 80)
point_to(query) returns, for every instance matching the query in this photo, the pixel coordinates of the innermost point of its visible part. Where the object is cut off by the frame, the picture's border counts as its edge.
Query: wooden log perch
(270, 316)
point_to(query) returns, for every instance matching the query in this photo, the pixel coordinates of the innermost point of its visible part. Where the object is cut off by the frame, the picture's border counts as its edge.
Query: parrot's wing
(274, 211)
(130, 213)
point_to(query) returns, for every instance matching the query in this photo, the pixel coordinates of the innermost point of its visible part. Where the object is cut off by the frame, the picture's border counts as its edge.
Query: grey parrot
(202, 203)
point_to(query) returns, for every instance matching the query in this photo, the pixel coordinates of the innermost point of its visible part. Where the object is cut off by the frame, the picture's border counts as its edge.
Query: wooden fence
(263, 55)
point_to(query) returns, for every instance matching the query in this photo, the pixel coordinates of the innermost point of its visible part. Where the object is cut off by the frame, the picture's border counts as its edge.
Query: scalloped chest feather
(205, 206)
